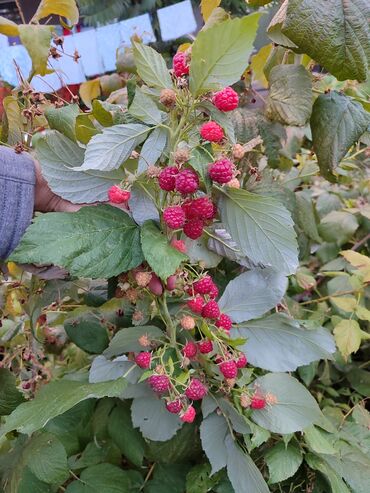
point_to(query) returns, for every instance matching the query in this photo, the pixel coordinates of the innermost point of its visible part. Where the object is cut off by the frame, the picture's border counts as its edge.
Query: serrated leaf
(141, 205)
(262, 228)
(338, 227)
(168, 479)
(337, 122)
(290, 95)
(316, 440)
(151, 416)
(63, 8)
(162, 258)
(220, 54)
(265, 289)
(335, 34)
(110, 149)
(144, 108)
(10, 396)
(85, 129)
(100, 241)
(207, 7)
(54, 399)
(278, 343)
(294, 410)
(37, 41)
(103, 370)
(151, 67)
(213, 431)
(87, 333)
(283, 462)
(335, 481)
(152, 149)
(274, 29)
(356, 259)
(347, 334)
(59, 157)
(127, 339)
(306, 216)
(348, 304)
(63, 119)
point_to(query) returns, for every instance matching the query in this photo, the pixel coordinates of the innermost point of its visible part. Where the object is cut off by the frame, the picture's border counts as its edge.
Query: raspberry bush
(198, 334)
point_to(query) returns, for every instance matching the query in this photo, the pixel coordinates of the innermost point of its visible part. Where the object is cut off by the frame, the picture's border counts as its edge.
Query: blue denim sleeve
(17, 184)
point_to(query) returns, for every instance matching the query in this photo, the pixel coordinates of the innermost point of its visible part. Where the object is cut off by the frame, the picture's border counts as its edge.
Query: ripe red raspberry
(180, 64)
(224, 322)
(201, 208)
(213, 292)
(196, 390)
(212, 131)
(117, 195)
(190, 350)
(196, 304)
(178, 245)
(226, 100)
(221, 171)
(204, 285)
(159, 383)
(258, 402)
(166, 178)
(174, 407)
(193, 228)
(228, 369)
(189, 415)
(205, 346)
(174, 217)
(242, 361)
(187, 181)
(187, 322)
(211, 310)
(143, 359)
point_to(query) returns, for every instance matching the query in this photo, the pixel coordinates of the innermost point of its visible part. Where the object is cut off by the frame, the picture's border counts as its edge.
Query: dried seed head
(168, 98)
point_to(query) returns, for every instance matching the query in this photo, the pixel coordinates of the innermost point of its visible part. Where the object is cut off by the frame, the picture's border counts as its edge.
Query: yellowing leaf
(347, 304)
(258, 62)
(207, 7)
(363, 313)
(36, 40)
(89, 91)
(14, 270)
(7, 27)
(347, 336)
(183, 47)
(356, 259)
(13, 304)
(14, 119)
(64, 8)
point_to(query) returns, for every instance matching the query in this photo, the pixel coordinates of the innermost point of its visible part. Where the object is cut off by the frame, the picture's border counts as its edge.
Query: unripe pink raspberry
(205, 346)
(159, 383)
(258, 402)
(196, 304)
(180, 64)
(196, 390)
(155, 285)
(212, 132)
(201, 208)
(181, 156)
(238, 151)
(174, 217)
(166, 178)
(118, 196)
(143, 278)
(242, 361)
(193, 228)
(221, 171)
(233, 183)
(189, 415)
(143, 359)
(171, 282)
(190, 350)
(187, 322)
(187, 181)
(228, 369)
(226, 100)
(211, 310)
(245, 401)
(224, 322)
(174, 407)
(204, 285)
(178, 245)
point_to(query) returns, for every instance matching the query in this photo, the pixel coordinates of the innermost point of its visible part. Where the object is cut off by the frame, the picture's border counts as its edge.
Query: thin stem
(357, 245)
(171, 329)
(335, 295)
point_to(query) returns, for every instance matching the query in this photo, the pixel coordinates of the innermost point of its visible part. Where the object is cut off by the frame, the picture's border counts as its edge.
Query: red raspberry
(187, 181)
(180, 64)
(174, 407)
(213, 292)
(143, 359)
(174, 217)
(228, 369)
(193, 228)
(159, 383)
(226, 100)
(196, 304)
(196, 390)
(224, 322)
(189, 415)
(221, 171)
(242, 361)
(201, 208)
(212, 131)
(178, 245)
(117, 195)
(258, 402)
(204, 285)
(205, 346)
(190, 350)
(211, 310)
(166, 178)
